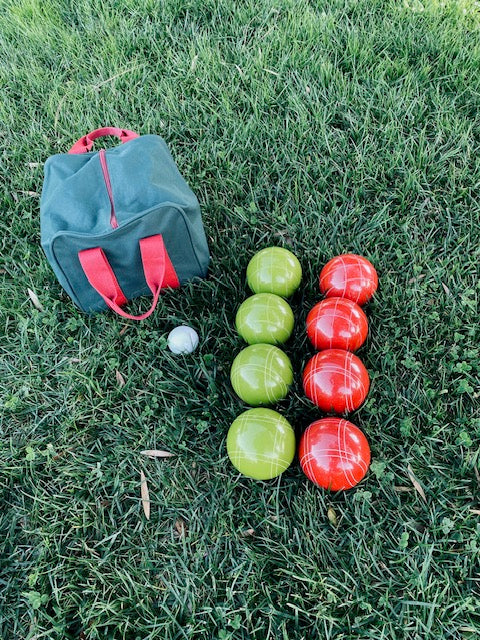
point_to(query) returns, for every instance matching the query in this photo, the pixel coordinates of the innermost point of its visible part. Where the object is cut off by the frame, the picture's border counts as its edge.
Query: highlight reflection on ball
(334, 454)
(349, 276)
(264, 318)
(336, 381)
(274, 270)
(261, 443)
(261, 374)
(337, 323)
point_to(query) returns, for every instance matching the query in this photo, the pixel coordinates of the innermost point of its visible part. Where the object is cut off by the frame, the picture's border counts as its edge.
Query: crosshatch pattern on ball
(261, 374)
(261, 443)
(334, 453)
(264, 318)
(336, 381)
(337, 323)
(274, 270)
(349, 276)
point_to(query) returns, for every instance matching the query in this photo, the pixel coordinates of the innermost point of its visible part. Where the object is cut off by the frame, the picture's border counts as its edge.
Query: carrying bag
(120, 223)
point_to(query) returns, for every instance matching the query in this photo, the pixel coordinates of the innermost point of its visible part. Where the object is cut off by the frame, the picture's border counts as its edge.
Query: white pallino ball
(182, 339)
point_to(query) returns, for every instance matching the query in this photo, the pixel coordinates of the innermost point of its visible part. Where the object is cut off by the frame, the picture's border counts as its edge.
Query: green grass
(325, 127)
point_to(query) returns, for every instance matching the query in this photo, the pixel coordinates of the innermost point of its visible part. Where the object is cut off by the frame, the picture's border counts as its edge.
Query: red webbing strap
(157, 267)
(100, 275)
(156, 262)
(86, 143)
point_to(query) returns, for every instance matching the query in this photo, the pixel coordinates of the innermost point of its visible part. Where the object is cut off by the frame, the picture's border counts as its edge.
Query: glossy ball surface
(334, 454)
(349, 276)
(261, 374)
(337, 323)
(336, 381)
(274, 270)
(264, 318)
(261, 444)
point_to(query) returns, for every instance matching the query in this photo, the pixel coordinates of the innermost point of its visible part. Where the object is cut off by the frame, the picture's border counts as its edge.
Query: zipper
(125, 228)
(108, 184)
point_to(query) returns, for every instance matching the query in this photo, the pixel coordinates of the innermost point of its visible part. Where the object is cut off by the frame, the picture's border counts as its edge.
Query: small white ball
(182, 339)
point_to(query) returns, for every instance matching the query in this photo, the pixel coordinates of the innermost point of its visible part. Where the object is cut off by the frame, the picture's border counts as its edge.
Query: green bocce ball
(261, 374)
(261, 444)
(274, 270)
(264, 318)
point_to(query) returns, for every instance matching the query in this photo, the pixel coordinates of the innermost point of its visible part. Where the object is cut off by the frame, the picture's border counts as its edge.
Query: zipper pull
(108, 184)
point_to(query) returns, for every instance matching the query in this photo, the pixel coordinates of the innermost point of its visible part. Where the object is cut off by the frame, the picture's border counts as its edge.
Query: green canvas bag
(120, 222)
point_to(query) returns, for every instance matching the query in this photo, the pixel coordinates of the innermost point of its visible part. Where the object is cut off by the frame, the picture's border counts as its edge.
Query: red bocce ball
(349, 276)
(336, 381)
(334, 454)
(337, 323)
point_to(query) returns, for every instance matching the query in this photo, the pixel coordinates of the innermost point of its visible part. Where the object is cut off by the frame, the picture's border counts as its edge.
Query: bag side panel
(74, 196)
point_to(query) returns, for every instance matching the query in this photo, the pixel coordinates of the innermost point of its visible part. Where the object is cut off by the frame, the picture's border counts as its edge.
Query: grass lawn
(322, 126)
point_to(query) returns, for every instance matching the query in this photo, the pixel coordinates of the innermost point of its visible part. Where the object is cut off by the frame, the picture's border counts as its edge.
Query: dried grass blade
(416, 484)
(34, 298)
(157, 453)
(145, 495)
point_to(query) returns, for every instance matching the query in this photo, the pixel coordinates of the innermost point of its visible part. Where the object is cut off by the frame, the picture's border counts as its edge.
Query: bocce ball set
(333, 452)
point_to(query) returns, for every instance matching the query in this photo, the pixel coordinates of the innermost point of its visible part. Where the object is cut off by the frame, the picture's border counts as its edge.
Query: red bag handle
(157, 267)
(86, 143)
